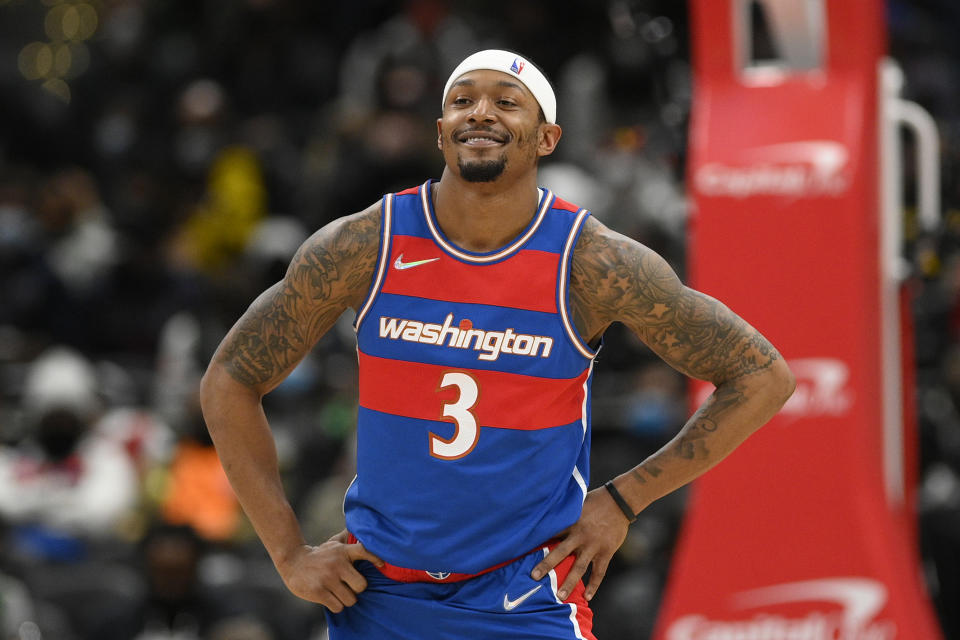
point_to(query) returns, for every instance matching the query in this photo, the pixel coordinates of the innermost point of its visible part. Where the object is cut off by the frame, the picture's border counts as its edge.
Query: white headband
(518, 67)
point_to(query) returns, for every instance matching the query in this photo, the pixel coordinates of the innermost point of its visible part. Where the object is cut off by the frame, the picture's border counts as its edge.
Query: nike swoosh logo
(510, 605)
(400, 264)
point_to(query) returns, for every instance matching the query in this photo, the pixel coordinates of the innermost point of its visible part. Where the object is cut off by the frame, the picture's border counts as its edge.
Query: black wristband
(627, 511)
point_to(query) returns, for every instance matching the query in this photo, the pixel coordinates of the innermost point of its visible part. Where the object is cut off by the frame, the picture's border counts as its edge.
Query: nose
(483, 111)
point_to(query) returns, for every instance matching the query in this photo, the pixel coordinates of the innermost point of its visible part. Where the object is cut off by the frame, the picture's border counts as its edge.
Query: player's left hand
(594, 538)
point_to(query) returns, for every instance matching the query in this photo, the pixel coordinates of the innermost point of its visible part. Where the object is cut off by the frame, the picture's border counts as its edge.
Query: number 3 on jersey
(465, 437)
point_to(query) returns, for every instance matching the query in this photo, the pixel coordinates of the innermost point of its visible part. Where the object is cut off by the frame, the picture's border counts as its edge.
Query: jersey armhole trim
(386, 233)
(343, 503)
(563, 292)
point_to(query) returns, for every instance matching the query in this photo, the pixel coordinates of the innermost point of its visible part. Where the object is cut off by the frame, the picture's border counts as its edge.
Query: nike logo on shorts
(401, 265)
(510, 605)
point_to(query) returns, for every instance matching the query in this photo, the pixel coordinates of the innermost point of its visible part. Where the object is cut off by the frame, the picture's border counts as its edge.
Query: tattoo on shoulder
(615, 279)
(330, 272)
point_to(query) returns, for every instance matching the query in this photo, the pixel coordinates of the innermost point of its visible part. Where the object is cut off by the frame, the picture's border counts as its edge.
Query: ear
(549, 137)
(440, 133)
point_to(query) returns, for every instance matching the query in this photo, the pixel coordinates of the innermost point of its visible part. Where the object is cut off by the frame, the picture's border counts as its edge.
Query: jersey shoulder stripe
(386, 226)
(560, 203)
(563, 286)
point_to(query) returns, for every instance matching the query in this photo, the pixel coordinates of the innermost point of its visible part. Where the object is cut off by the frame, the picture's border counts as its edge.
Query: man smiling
(480, 301)
(480, 137)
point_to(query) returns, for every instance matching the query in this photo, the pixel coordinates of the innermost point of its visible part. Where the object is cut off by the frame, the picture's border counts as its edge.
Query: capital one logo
(822, 389)
(840, 608)
(793, 169)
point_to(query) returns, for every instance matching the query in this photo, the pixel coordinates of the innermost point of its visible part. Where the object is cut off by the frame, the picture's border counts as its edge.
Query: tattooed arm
(330, 272)
(615, 279)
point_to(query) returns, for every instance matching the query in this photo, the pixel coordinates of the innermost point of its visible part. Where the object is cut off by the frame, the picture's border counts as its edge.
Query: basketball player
(480, 303)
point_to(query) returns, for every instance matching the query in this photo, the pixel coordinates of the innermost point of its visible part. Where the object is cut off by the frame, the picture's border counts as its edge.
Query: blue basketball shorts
(503, 603)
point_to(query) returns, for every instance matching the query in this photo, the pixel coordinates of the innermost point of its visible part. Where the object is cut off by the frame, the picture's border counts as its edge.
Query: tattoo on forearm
(724, 397)
(330, 272)
(692, 445)
(648, 467)
(616, 279)
(693, 441)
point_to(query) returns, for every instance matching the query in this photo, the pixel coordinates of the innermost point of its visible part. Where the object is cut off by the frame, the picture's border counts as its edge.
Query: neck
(485, 216)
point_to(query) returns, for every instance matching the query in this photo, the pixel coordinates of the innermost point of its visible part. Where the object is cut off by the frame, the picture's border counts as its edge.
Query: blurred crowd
(159, 164)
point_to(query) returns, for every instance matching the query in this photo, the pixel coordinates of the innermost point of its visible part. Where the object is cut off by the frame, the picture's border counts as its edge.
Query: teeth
(480, 140)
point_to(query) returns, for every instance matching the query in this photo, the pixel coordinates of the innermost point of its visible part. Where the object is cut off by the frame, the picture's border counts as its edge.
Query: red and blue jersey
(474, 412)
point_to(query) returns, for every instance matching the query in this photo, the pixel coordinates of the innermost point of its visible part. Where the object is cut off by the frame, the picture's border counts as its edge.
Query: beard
(482, 170)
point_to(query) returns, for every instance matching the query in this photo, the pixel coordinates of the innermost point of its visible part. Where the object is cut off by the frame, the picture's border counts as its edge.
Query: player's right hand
(325, 574)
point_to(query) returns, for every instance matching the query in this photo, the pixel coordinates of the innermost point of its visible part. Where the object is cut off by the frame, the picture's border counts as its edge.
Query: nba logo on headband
(517, 65)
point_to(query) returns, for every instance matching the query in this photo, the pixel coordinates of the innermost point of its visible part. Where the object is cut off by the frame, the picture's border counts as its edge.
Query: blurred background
(159, 164)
